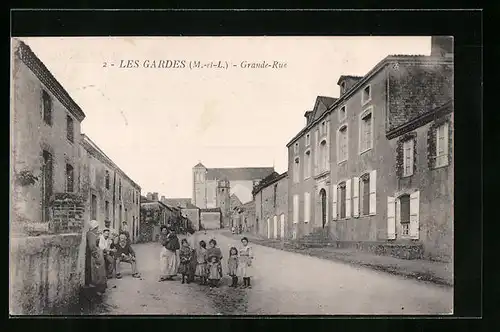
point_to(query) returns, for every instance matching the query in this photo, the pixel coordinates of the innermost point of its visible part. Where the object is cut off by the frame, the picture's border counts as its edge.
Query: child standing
(201, 263)
(232, 265)
(185, 258)
(214, 256)
(245, 264)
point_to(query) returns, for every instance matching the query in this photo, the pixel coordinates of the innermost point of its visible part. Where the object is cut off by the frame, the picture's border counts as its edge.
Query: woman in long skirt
(95, 270)
(214, 257)
(245, 268)
(163, 253)
(169, 257)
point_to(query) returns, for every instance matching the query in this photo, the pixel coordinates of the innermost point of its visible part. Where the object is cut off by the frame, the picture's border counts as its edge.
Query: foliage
(26, 178)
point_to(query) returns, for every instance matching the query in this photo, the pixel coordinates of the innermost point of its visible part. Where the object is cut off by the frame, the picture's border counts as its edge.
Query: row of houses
(60, 179)
(373, 168)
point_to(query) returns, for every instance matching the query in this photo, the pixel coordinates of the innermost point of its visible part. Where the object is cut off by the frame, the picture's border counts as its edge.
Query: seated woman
(125, 253)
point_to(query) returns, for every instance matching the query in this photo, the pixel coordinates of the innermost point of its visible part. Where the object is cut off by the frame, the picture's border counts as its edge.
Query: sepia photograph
(234, 176)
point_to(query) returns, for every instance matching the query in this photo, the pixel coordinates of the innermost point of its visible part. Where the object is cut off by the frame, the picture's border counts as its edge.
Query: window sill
(406, 176)
(363, 103)
(441, 166)
(365, 150)
(341, 162)
(70, 142)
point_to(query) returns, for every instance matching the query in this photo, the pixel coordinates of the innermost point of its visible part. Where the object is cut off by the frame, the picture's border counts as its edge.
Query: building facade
(213, 187)
(155, 213)
(351, 199)
(45, 194)
(271, 207)
(210, 218)
(109, 193)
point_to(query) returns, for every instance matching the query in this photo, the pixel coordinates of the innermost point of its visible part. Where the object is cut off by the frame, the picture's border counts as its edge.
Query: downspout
(114, 199)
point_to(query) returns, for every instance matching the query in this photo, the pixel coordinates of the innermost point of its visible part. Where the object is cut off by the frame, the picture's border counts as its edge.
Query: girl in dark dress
(185, 255)
(232, 266)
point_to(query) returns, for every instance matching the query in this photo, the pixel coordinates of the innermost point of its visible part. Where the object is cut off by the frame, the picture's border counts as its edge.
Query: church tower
(224, 201)
(199, 186)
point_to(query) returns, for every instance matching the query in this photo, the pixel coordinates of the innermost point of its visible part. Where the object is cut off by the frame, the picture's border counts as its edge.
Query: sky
(157, 123)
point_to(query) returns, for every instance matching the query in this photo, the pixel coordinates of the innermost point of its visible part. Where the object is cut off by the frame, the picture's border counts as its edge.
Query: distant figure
(201, 262)
(245, 267)
(232, 266)
(185, 255)
(214, 256)
(95, 271)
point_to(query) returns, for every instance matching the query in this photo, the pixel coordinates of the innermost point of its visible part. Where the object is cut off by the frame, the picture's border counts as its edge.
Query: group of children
(208, 263)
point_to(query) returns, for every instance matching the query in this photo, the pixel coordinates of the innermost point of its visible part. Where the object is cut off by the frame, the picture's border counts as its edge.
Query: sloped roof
(321, 106)
(343, 77)
(242, 174)
(191, 206)
(234, 201)
(211, 210)
(268, 181)
(178, 201)
(199, 165)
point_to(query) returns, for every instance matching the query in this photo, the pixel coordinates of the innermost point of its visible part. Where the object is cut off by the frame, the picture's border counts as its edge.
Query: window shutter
(445, 143)
(268, 228)
(334, 202)
(316, 151)
(414, 214)
(307, 207)
(295, 208)
(348, 198)
(391, 218)
(327, 166)
(355, 197)
(373, 192)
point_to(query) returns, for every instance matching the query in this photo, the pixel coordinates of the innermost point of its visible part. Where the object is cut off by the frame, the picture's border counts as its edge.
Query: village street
(284, 283)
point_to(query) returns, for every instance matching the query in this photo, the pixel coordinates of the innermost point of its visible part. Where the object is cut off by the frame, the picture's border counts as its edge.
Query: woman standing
(163, 252)
(172, 262)
(245, 268)
(95, 270)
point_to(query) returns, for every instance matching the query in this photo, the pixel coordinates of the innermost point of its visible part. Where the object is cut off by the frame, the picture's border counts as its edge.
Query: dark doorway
(322, 194)
(93, 211)
(46, 185)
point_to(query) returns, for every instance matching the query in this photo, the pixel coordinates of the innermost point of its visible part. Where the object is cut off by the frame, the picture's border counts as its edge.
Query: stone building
(356, 199)
(45, 194)
(213, 187)
(188, 210)
(155, 213)
(248, 216)
(271, 207)
(109, 193)
(210, 218)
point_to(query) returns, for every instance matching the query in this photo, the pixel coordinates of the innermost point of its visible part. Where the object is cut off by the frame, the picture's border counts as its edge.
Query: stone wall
(46, 273)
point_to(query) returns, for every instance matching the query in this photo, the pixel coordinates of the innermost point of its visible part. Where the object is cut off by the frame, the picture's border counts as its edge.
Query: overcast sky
(157, 123)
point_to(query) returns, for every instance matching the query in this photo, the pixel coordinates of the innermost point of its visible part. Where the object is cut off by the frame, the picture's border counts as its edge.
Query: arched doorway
(322, 195)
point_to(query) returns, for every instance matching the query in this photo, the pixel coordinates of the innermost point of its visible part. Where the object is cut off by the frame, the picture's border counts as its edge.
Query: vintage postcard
(232, 176)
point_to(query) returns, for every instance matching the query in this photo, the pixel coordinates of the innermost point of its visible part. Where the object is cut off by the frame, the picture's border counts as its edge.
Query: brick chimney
(149, 196)
(155, 197)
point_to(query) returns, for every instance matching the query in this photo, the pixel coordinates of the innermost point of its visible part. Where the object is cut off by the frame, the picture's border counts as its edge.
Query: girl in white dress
(245, 268)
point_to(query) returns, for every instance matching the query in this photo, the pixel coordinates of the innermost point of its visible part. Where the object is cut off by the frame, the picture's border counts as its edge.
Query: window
(342, 144)
(342, 113)
(365, 195)
(107, 179)
(323, 148)
(70, 129)
(69, 178)
(404, 214)
(366, 95)
(365, 132)
(307, 207)
(120, 214)
(295, 209)
(275, 193)
(93, 206)
(408, 157)
(307, 164)
(296, 170)
(120, 188)
(442, 145)
(296, 148)
(92, 175)
(322, 129)
(47, 108)
(342, 88)
(126, 214)
(106, 207)
(47, 182)
(308, 139)
(342, 197)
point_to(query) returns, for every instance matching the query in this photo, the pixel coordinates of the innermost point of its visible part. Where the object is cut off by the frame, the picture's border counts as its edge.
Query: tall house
(209, 182)
(388, 182)
(45, 131)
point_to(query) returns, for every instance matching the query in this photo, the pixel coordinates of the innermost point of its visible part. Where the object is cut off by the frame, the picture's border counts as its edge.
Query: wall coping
(30, 245)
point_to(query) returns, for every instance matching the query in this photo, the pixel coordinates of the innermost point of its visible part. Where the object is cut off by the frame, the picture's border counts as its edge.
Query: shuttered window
(295, 208)
(355, 197)
(334, 202)
(373, 192)
(70, 130)
(342, 200)
(442, 145)
(47, 108)
(70, 176)
(414, 215)
(348, 199)
(391, 218)
(307, 207)
(408, 157)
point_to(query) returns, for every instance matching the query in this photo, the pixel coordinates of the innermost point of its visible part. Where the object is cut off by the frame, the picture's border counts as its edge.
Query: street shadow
(227, 300)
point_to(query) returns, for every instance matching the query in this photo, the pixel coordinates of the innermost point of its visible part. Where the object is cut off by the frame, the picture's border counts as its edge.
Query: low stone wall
(46, 273)
(398, 250)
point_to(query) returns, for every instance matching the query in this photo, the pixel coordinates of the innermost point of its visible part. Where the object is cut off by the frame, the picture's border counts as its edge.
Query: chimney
(441, 46)
(162, 199)
(155, 197)
(307, 115)
(149, 196)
